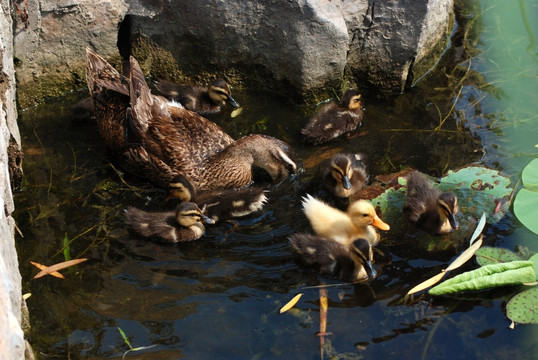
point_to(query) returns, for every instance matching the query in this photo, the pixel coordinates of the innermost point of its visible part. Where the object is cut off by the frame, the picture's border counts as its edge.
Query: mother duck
(159, 139)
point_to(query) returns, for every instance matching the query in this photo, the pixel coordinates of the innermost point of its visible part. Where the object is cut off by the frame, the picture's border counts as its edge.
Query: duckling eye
(364, 215)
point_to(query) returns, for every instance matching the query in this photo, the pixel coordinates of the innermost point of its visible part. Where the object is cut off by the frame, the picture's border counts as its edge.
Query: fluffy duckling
(221, 204)
(203, 100)
(183, 224)
(351, 263)
(344, 174)
(335, 119)
(156, 139)
(429, 208)
(344, 227)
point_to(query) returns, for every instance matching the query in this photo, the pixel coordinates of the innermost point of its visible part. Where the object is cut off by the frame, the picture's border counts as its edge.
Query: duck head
(181, 188)
(363, 249)
(363, 214)
(341, 170)
(448, 208)
(188, 214)
(351, 100)
(220, 93)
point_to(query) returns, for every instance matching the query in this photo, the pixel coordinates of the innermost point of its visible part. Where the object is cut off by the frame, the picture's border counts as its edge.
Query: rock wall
(301, 48)
(12, 344)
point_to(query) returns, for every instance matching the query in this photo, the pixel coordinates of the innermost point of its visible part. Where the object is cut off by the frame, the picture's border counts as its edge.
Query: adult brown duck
(158, 139)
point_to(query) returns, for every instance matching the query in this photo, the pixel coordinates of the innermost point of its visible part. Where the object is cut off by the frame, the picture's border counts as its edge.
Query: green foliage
(488, 276)
(489, 255)
(131, 348)
(523, 308)
(526, 199)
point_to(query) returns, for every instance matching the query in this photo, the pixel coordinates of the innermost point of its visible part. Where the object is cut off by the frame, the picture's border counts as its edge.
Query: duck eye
(364, 215)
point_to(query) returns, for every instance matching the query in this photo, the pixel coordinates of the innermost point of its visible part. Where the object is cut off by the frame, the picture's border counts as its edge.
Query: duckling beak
(346, 183)
(232, 102)
(378, 223)
(207, 219)
(370, 271)
(453, 221)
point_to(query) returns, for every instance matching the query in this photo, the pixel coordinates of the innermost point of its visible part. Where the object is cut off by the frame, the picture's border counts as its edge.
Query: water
(219, 297)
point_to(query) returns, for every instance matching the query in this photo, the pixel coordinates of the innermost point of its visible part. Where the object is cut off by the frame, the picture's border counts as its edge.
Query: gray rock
(298, 47)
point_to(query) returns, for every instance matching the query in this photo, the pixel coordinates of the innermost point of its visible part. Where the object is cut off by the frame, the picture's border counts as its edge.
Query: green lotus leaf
(534, 260)
(489, 276)
(526, 210)
(480, 179)
(523, 308)
(489, 255)
(529, 175)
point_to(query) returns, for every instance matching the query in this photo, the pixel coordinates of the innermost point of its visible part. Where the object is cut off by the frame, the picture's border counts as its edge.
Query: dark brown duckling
(203, 100)
(335, 119)
(344, 174)
(183, 224)
(220, 204)
(429, 208)
(156, 139)
(351, 263)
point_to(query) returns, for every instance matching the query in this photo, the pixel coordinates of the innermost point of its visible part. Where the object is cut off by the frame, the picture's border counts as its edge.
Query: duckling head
(341, 170)
(220, 93)
(363, 214)
(448, 208)
(364, 251)
(181, 188)
(189, 214)
(351, 100)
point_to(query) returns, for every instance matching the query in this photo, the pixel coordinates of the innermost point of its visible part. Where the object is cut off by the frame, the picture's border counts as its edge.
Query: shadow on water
(221, 294)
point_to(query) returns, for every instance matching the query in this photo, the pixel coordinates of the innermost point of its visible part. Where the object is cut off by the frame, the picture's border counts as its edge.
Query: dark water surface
(219, 297)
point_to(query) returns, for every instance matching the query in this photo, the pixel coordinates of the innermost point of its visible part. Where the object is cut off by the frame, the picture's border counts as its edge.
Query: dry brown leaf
(290, 303)
(323, 306)
(465, 256)
(44, 267)
(426, 284)
(59, 266)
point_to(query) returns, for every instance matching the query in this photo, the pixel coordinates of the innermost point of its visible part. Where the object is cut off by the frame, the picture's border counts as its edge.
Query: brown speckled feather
(159, 140)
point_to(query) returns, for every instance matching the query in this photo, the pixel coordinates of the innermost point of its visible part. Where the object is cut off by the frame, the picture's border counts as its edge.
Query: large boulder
(301, 48)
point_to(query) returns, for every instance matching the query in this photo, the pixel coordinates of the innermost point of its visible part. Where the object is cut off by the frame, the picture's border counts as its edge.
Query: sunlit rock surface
(297, 47)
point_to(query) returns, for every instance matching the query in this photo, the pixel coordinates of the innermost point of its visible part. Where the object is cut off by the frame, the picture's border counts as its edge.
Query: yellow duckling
(429, 208)
(158, 139)
(344, 174)
(220, 204)
(335, 119)
(183, 224)
(351, 263)
(344, 227)
(203, 100)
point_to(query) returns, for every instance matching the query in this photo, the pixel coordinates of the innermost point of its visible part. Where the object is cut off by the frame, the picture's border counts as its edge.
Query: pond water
(219, 297)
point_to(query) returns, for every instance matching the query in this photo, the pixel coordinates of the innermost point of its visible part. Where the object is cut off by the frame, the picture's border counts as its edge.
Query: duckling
(203, 100)
(158, 139)
(344, 227)
(183, 224)
(220, 204)
(351, 263)
(335, 119)
(428, 208)
(344, 174)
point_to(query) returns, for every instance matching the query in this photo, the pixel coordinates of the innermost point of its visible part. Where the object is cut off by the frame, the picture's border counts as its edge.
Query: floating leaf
(529, 175)
(489, 255)
(523, 308)
(26, 296)
(478, 229)
(125, 339)
(44, 267)
(428, 283)
(511, 273)
(290, 303)
(525, 207)
(236, 112)
(59, 266)
(534, 260)
(465, 256)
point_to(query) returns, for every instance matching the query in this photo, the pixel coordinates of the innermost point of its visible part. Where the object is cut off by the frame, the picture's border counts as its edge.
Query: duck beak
(346, 183)
(205, 218)
(453, 221)
(378, 223)
(232, 101)
(370, 271)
